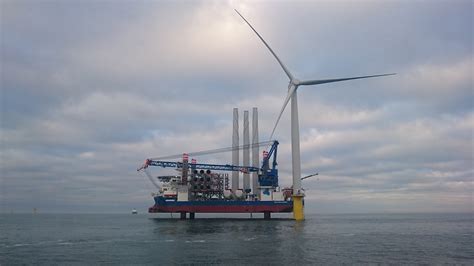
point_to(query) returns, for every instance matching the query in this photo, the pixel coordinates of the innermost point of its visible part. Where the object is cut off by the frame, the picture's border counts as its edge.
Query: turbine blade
(322, 81)
(291, 90)
(290, 76)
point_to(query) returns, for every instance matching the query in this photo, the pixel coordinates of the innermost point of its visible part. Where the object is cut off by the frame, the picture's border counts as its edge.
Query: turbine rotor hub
(295, 82)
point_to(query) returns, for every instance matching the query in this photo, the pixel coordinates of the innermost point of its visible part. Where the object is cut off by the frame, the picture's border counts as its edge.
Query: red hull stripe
(220, 206)
(221, 209)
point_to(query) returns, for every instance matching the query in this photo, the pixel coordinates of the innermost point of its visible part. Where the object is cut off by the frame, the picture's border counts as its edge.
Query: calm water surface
(322, 239)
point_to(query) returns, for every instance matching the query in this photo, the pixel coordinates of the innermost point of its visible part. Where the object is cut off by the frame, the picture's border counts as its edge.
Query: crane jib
(221, 167)
(215, 167)
(268, 176)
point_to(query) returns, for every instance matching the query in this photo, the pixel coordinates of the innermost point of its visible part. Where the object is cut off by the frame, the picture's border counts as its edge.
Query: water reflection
(230, 240)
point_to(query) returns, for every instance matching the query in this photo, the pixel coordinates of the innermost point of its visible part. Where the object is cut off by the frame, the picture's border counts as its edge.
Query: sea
(322, 239)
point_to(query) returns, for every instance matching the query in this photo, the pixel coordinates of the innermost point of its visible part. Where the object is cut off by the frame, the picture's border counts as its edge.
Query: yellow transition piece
(298, 210)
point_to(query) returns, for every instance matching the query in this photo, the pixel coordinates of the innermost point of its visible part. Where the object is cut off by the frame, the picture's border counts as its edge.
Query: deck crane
(267, 176)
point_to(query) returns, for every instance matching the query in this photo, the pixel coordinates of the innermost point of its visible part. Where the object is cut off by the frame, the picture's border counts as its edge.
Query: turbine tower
(293, 85)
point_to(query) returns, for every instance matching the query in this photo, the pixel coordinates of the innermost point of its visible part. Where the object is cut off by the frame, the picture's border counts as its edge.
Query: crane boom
(267, 177)
(203, 166)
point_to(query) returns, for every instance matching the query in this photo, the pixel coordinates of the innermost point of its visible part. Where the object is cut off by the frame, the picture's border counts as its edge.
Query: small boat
(134, 211)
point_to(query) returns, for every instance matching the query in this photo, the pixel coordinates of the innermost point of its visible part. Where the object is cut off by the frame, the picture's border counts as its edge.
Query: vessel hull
(220, 206)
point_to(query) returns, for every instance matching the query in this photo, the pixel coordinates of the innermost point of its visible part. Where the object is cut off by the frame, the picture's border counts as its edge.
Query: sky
(89, 89)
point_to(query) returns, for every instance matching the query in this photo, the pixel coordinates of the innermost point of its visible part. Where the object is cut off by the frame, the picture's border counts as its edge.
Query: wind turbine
(295, 131)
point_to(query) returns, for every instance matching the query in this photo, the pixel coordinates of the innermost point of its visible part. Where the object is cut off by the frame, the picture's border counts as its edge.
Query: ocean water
(52, 239)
